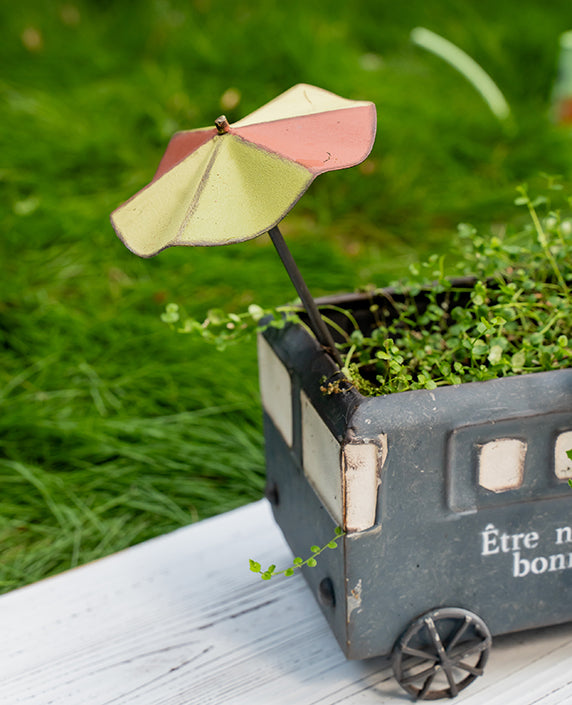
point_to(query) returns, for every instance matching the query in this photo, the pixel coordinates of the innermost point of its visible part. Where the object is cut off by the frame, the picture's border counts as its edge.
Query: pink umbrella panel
(231, 183)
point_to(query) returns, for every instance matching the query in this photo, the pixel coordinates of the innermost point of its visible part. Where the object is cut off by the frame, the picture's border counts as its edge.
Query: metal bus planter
(455, 503)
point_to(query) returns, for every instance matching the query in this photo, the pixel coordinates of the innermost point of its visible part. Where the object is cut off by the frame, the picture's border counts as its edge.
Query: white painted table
(180, 620)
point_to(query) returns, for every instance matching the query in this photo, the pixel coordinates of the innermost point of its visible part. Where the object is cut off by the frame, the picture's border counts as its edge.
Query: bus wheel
(441, 653)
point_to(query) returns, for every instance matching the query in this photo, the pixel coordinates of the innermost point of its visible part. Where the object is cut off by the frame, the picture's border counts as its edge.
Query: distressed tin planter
(455, 502)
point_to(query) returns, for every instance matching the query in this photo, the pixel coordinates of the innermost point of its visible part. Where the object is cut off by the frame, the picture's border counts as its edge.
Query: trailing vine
(298, 562)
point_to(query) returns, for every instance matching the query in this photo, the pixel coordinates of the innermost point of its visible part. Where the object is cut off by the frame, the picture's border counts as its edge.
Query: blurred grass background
(114, 429)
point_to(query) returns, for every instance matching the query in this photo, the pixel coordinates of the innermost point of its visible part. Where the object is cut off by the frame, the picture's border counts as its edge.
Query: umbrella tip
(222, 125)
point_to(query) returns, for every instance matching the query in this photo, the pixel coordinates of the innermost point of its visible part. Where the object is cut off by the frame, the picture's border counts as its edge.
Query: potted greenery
(423, 430)
(439, 446)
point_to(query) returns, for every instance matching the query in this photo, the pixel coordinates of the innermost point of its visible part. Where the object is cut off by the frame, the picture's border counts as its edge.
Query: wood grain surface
(180, 620)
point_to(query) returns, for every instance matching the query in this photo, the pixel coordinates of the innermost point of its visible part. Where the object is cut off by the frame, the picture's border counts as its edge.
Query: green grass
(113, 429)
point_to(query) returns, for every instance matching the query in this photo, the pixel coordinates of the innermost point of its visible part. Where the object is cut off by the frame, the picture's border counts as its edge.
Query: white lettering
(504, 543)
(564, 535)
(515, 541)
(493, 542)
(557, 562)
(521, 566)
(490, 540)
(531, 540)
(539, 565)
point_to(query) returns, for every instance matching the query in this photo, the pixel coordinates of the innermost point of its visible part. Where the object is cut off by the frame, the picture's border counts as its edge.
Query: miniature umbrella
(230, 183)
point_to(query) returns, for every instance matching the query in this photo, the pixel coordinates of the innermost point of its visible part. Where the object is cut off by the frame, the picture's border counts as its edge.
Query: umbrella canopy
(230, 183)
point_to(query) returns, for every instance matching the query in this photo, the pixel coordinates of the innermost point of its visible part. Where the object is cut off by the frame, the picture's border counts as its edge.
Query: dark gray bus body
(403, 474)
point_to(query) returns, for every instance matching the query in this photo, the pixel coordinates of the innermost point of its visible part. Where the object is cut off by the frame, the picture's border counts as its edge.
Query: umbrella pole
(317, 324)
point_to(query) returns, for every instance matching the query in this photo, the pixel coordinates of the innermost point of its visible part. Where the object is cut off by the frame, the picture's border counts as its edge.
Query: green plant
(222, 329)
(514, 317)
(298, 562)
(504, 309)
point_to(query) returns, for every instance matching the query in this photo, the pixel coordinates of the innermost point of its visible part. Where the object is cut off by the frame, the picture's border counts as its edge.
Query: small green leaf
(216, 316)
(311, 562)
(297, 561)
(266, 576)
(518, 360)
(171, 314)
(338, 531)
(254, 566)
(536, 338)
(498, 321)
(169, 317)
(256, 311)
(332, 544)
(288, 572)
(314, 549)
(495, 354)
(539, 201)
(466, 230)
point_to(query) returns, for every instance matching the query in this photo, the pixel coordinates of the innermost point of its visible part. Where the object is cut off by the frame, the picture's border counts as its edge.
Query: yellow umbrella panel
(238, 192)
(215, 187)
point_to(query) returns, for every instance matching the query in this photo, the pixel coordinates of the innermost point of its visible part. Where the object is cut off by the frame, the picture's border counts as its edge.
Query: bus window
(501, 464)
(562, 463)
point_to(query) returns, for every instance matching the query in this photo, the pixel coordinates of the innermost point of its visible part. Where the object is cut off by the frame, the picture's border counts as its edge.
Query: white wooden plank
(180, 620)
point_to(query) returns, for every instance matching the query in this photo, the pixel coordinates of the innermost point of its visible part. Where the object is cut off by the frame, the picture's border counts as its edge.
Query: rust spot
(354, 598)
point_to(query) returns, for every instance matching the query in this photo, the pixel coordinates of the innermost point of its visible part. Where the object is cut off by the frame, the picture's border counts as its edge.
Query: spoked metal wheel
(441, 653)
